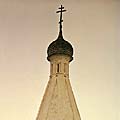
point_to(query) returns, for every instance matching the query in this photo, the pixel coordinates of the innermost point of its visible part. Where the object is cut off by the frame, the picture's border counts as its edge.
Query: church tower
(58, 102)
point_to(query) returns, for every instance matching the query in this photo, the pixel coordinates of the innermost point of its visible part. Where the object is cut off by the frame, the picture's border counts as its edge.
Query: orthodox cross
(61, 11)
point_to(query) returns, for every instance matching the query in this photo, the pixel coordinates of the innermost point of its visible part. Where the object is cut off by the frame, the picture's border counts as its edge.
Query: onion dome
(60, 46)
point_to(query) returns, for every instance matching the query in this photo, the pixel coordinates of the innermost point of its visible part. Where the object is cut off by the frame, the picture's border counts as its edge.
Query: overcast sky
(27, 27)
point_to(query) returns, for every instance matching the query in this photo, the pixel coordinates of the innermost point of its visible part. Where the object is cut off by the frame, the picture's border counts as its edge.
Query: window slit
(51, 68)
(58, 68)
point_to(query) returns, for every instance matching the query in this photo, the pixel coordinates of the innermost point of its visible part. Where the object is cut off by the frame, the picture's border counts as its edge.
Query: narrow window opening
(51, 68)
(58, 68)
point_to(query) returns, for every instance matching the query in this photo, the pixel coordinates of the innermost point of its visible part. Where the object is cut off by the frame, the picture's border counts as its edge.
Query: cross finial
(61, 20)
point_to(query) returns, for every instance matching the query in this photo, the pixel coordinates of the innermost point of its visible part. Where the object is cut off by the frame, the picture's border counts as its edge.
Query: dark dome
(60, 46)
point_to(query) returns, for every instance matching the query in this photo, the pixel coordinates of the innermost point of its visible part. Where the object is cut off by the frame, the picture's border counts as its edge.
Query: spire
(58, 101)
(61, 20)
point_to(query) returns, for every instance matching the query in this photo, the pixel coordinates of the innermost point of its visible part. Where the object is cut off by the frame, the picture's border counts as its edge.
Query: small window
(58, 67)
(51, 68)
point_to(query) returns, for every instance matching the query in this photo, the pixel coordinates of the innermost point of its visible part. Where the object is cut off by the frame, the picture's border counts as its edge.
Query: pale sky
(27, 27)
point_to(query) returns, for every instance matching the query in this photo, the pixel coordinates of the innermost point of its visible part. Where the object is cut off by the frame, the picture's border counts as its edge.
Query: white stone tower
(58, 102)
